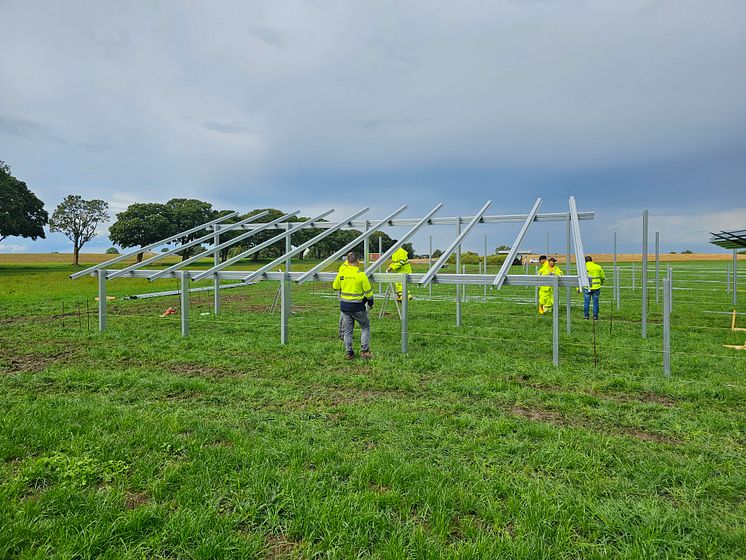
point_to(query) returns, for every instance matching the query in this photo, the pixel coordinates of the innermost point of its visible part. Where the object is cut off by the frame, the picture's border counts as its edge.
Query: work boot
(586, 317)
(541, 309)
(350, 356)
(366, 354)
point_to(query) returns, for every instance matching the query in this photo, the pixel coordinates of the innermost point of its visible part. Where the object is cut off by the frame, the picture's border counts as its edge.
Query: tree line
(22, 214)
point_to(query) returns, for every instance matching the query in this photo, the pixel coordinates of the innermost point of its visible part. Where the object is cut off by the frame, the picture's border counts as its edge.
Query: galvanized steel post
(380, 252)
(484, 265)
(633, 277)
(216, 281)
(666, 327)
(404, 315)
(366, 245)
(184, 301)
(727, 281)
(657, 266)
(288, 263)
(735, 277)
(670, 289)
(555, 325)
(568, 303)
(618, 287)
(645, 274)
(102, 300)
(284, 308)
(429, 264)
(458, 267)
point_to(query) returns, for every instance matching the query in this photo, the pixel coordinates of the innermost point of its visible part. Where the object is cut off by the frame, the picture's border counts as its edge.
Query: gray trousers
(348, 325)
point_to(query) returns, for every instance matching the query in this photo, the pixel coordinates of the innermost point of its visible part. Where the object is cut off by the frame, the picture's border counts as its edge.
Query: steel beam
(101, 300)
(458, 270)
(505, 268)
(366, 235)
(159, 256)
(216, 250)
(578, 242)
(404, 313)
(184, 300)
(666, 327)
(272, 241)
(302, 247)
(406, 237)
(645, 274)
(120, 258)
(555, 324)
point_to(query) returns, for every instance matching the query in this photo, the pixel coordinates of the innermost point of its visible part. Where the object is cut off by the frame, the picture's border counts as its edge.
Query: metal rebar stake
(404, 313)
(102, 300)
(666, 327)
(645, 274)
(184, 301)
(555, 324)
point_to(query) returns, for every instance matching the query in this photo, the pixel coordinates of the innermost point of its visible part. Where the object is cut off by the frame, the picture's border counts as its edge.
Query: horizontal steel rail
(384, 277)
(120, 258)
(498, 219)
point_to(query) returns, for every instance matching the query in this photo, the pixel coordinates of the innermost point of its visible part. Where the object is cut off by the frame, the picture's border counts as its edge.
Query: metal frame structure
(733, 240)
(286, 277)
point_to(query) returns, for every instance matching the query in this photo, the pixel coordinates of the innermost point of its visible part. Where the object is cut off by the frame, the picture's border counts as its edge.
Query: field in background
(138, 443)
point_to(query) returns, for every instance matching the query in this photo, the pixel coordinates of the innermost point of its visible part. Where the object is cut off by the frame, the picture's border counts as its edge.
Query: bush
(112, 251)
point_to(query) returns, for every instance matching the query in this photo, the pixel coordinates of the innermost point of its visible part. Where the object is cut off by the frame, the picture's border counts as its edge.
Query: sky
(625, 104)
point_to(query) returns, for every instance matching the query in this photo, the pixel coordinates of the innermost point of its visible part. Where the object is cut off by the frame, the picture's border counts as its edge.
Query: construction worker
(542, 263)
(546, 293)
(596, 277)
(342, 268)
(400, 264)
(355, 294)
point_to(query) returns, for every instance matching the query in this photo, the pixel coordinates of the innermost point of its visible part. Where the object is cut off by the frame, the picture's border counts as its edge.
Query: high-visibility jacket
(400, 261)
(543, 267)
(342, 267)
(354, 288)
(596, 275)
(547, 271)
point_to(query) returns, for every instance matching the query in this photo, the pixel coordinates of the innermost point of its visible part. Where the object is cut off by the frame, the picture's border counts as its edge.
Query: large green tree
(186, 213)
(22, 214)
(78, 219)
(141, 224)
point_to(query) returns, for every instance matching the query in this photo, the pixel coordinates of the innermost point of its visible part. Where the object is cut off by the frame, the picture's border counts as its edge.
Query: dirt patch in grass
(643, 397)
(134, 500)
(33, 363)
(280, 546)
(557, 419)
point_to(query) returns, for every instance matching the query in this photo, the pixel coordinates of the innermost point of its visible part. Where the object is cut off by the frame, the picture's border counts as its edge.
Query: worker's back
(596, 275)
(354, 288)
(400, 261)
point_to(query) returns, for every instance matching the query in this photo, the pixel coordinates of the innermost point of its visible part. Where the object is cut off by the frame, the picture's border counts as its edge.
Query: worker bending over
(546, 293)
(400, 264)
(355, 294)
(596, 277)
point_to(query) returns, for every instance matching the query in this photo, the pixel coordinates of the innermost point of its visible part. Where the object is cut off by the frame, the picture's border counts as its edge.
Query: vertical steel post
(216, 280)
(618, 287)
(463, 271)
(727, 281)
(568, 303)
(380, 252)
(555, 324)
(366, 245)
(184, 301)
(458, 268)
(430, 264)
(667, 327)
(484, 264)
(670, 289)
(735, 277)
(102, 300)
(645, 274)
(536, 290)
(547, 253)
(288, 263)
(614, 265)
(633, 277)
(404, 315)
(657, 266)
(284, 308)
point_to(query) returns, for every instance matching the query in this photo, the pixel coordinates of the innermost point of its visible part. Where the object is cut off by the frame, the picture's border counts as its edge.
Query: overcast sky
(624, 104)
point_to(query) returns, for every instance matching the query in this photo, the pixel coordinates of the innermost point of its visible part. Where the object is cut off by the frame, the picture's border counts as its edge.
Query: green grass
(136, 443)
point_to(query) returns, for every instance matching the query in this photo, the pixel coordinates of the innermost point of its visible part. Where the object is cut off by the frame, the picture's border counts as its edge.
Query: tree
(386, 241)
(437, 253)
(78, 219)
(186, 213)
(112, 251)
(409, 249)
(141, 224)
(22, 214)
(501, 248)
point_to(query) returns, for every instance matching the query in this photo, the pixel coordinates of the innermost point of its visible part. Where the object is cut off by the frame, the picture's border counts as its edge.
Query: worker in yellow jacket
(546, 293)
(355, 298)
(596, 277)
(542, 263)
(400, 264)
(342, 268)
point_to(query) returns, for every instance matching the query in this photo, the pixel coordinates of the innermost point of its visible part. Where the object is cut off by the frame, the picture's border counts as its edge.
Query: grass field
(136, 443)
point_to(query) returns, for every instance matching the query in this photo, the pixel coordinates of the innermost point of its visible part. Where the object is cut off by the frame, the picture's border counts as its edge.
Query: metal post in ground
(618, 288)
(458, 267)
(404, 315)
(536, 290)
(657, 266)
(735, 277)
(380, 252)
(184, 301)
(568, 303)
(614, 265)
(429, 265)
(633, 277)
(366, 246)
(284, 308)
(667, 327)
(101, 300)
(727, 282)
(484, 264)
(288, 262)
(645, 274)
(216, 280)
(555, 324)
(670, 289)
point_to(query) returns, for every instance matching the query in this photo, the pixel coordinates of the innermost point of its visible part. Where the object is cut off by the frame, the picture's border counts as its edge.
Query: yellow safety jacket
(400, 261)
(542, 268)
(546, 271)
(596, 275)
(354, 288)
